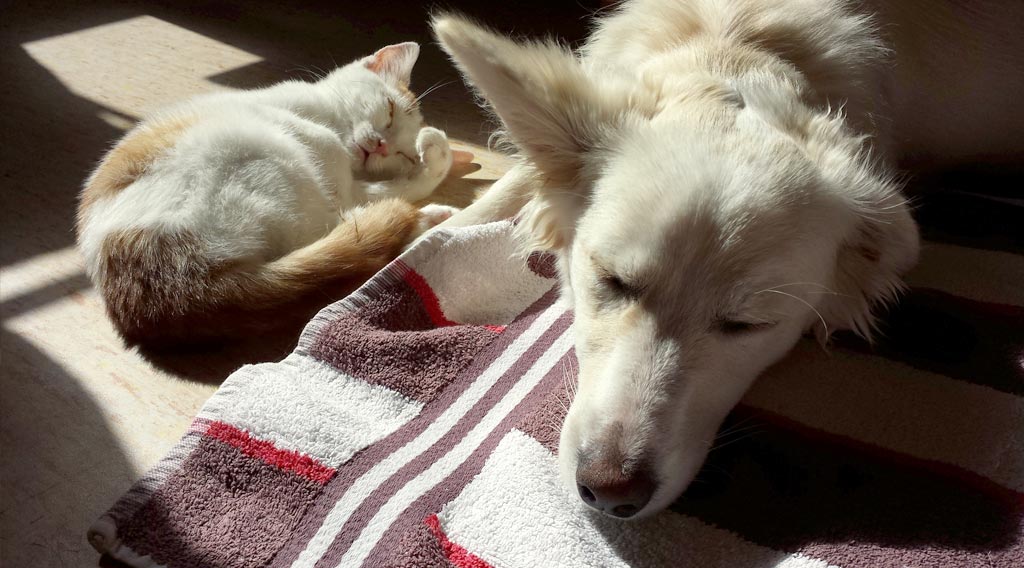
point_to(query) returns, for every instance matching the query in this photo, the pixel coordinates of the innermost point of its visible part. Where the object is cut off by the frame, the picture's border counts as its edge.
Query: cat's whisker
(306, 71)
(323, 74)
(431, 89)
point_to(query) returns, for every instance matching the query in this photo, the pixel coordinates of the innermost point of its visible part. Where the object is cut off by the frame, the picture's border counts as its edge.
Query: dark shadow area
(213, 362)
(51, 138)
(54, 483)
(794, 486)
(973, 207)
(791, 488)
(971, 341)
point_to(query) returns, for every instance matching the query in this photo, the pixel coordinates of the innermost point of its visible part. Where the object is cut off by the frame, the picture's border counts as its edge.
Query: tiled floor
(81, 415)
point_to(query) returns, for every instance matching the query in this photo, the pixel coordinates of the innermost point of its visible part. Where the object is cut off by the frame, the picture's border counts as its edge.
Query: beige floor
(81, 415)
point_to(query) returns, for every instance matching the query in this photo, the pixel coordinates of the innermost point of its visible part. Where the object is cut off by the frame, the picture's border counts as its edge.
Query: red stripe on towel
(456, 554)
(287, 460)
(432, 304)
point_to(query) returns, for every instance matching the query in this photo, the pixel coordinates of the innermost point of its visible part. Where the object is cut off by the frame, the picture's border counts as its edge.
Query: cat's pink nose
(381, 148)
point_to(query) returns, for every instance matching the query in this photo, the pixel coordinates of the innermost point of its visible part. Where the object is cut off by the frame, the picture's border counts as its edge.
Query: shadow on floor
(53, 486)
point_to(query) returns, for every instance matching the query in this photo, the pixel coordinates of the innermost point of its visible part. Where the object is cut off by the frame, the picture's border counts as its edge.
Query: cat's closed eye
(391, 113)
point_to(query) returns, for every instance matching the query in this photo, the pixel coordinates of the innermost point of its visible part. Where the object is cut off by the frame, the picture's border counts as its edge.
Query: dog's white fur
(715, 178)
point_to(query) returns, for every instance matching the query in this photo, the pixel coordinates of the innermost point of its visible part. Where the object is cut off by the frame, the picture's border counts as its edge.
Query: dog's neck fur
(825, 54)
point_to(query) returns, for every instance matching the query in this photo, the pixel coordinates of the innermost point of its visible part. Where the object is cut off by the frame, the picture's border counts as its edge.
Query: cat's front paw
(434, 152)
(433, 215)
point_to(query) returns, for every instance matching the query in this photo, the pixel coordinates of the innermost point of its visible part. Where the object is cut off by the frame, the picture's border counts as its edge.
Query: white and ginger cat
(232, 212)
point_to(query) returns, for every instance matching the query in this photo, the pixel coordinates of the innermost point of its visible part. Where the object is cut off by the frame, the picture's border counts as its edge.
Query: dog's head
(701, 228)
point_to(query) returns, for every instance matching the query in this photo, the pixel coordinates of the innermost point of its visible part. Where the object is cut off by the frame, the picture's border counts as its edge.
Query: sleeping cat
(233, 212)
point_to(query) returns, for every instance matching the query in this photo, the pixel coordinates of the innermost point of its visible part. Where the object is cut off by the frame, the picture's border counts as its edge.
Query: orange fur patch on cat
(409, 95)
(131, 157)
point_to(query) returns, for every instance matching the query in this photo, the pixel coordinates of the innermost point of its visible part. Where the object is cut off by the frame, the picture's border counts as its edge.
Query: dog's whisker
(568, 381)
(563, 406)
(713, 468)
(826, 289)
(730, 442)
(804, 302)
(736, 436)
(735, 431)
(753, 429)
(737, 425)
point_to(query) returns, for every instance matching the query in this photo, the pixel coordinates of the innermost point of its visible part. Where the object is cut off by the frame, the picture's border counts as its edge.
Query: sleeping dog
(716, 178)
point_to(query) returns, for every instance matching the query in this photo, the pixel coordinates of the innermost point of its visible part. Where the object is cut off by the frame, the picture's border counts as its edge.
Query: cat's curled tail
(162, 289)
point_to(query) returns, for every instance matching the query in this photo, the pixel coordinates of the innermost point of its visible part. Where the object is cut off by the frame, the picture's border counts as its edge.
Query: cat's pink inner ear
(395, 62)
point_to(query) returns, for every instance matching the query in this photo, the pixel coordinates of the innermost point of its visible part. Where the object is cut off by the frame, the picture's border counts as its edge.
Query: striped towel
(416, 425)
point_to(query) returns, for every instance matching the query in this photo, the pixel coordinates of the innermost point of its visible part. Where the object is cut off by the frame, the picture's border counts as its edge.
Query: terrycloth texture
(417, 422)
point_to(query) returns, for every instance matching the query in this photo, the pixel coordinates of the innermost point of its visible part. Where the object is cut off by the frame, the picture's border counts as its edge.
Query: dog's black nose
(613, 492)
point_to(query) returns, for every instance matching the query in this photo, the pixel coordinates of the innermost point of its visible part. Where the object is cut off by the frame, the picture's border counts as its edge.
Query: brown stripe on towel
(977, 342)
(387, 551)
(544, 423)
(221, 509)
(543, 264)
(369, 507)
(393, 342)
(363, 461)
(794, 489)
(418, 548)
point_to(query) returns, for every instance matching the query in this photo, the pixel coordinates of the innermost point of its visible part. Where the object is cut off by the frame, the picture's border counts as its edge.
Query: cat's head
(381, 114)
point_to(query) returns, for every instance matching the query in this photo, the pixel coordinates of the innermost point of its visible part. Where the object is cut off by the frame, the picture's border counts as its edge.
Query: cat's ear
(550, 107)
(394, 62)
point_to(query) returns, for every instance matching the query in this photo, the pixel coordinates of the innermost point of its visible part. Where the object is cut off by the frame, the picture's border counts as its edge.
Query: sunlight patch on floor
(118, 121)
(124, 65)
(23, 277)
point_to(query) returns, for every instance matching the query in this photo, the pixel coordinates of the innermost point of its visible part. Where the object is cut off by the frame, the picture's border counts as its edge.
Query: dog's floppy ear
(549, 107)
(870, 265)
(882, 243)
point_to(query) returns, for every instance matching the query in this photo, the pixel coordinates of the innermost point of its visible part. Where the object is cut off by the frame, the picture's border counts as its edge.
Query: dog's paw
(433, 215)
(434, 152)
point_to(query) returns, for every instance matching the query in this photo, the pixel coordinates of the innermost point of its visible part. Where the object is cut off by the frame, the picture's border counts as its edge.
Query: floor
(82, 416)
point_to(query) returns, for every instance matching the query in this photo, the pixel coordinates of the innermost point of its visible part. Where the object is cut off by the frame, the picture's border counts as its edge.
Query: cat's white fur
(715, 179)
(252, 177)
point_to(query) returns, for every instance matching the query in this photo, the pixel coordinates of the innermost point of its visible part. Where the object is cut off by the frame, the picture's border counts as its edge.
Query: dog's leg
(503, 200)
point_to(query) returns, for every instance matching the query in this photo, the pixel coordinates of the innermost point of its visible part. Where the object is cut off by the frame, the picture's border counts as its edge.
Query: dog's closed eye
(728, 326)
(615, 286)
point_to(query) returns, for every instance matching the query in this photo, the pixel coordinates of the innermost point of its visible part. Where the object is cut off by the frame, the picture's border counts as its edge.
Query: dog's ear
(870, 265)
(882, 243)
(550, 108)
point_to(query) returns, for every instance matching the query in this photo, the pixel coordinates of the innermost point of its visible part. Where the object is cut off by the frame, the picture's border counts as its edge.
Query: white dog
(714, 176)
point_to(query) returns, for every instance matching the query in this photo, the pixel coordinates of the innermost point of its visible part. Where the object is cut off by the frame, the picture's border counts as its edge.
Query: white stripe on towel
(387, 467)
(444, 466)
